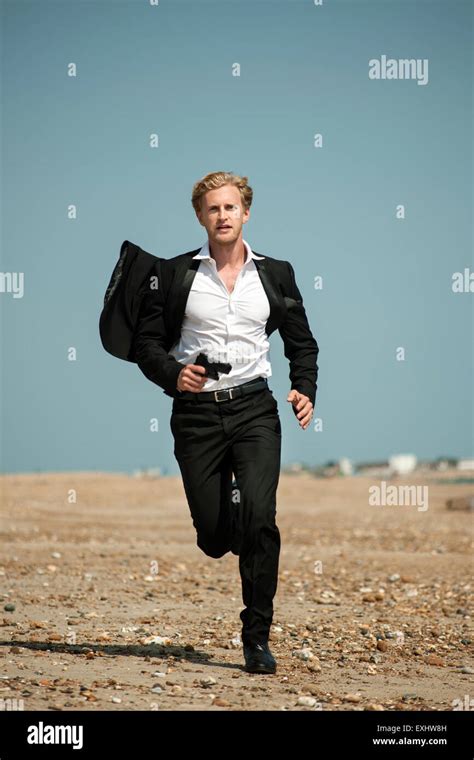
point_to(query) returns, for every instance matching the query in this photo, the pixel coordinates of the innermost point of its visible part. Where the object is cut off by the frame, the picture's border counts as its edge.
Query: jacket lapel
(278, 306)
(179, 292)
(183, 281)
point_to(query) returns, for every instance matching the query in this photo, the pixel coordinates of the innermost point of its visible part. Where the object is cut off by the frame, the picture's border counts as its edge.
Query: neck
(233, 254)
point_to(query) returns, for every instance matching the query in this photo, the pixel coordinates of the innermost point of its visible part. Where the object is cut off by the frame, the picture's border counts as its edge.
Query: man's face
(222, 214)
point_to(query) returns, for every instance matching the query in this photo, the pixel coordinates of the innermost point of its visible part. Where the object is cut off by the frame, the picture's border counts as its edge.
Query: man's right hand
(192, 378)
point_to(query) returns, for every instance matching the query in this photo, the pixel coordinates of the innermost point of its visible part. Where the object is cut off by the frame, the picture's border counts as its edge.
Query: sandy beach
(108, 604)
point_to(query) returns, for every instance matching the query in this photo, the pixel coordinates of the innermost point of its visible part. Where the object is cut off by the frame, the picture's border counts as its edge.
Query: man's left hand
(302, 406)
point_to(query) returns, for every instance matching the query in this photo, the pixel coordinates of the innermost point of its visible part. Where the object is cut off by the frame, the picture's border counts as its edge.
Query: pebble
(220, 702)
(306, 701)
(116, 700)
(207, 682)
(303, 654)
(156, 640)
(467, 669)
(9, 608)
(433, 659)
(352, 698)
(382, 645)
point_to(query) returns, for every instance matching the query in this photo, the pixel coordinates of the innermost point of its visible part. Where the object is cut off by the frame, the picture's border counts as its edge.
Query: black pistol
(212, 368)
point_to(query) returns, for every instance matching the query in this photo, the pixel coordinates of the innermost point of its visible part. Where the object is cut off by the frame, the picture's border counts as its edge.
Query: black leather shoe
(259, 659)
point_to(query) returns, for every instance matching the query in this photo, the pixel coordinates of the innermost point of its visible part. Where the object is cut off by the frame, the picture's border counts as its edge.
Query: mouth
(224, 228)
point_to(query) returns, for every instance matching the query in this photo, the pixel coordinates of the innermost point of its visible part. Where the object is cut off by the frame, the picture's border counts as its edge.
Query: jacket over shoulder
(122, 300)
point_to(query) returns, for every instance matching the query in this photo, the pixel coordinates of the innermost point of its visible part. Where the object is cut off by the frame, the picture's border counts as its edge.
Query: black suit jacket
(162, 311)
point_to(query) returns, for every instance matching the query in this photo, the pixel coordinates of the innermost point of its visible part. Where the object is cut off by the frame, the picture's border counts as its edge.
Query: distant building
(294, 467)
(402, 464)
(345, 466)
(373, 468)
(441, 464)
(465, 464)
(148, 472)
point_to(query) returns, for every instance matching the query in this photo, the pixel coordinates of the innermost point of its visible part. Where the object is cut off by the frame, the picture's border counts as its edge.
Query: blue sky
(331, 211)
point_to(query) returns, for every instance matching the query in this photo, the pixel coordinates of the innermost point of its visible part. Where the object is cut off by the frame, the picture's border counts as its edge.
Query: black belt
(226, 394)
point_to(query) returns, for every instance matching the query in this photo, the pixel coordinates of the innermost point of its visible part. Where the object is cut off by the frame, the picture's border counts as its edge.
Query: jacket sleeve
(150, 339)
(301, 348)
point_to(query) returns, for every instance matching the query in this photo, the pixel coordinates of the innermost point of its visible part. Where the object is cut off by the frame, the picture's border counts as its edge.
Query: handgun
(212, 368)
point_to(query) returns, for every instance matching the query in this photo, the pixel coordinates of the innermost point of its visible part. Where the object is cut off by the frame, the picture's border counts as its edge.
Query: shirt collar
(204, 253)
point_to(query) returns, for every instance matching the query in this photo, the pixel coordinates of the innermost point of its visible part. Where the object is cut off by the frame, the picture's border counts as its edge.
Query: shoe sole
(260, 669)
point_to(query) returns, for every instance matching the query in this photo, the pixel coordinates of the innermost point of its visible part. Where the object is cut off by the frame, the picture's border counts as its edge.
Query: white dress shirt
(228, 327)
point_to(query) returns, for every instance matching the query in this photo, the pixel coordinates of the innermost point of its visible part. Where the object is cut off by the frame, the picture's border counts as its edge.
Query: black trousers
(212, 441)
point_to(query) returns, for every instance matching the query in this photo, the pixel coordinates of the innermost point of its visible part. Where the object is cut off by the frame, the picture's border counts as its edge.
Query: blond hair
(215, 180)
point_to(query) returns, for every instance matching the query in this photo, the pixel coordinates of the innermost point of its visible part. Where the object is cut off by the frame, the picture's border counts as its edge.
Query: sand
(116, 608)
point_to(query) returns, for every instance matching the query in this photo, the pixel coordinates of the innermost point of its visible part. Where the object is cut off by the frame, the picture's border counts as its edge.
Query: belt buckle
(223, 390)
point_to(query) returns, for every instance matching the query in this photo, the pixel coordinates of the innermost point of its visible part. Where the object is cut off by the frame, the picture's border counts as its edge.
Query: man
(224, 300)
